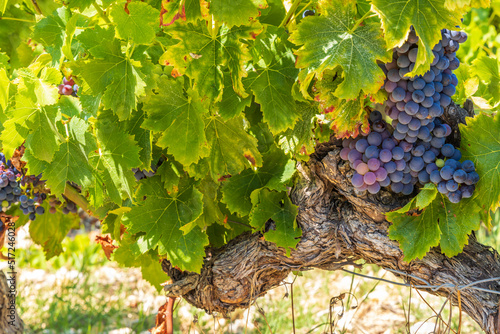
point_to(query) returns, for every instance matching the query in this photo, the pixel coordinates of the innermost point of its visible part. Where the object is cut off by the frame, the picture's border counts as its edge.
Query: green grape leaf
(70, 106)
(170, 173)
(465, 4)
(428, 17)
(467, 84)
(481, 144)
(80, 4)
(142, 137)
(278, 207)
(4, 89)
(3, 6)
(43, 86)
(232, 148)
(273, 79)
(236, 13)
(211, 211)
(187, 10)
(161, 217)
(49, 230)
(44, 139)
(332, 39)
(203, 57)
(488, 71)
(118, 153)
(171, 113)
(50, 31)
(275, 172)
(151, 270)
(139, 24)
(231, 104)
(15, 128)
(300, 140)
(110, 71)
(70, 162)
(429, 220)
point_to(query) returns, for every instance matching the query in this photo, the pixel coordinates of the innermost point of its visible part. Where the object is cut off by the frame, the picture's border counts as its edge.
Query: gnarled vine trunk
(338, 228)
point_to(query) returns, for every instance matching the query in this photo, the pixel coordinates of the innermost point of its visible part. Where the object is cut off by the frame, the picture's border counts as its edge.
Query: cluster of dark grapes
(413, 150)
(142, 173)
(11, 181)
(68, 87)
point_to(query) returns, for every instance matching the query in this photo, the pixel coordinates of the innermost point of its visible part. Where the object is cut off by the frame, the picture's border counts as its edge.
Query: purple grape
(447, 150)
(361, 145)
(381, 174)
(468, 166)
(419, 83)
(393, 75)
(373, 188)
(404, 118)
(385, 183)
(369, 178)
(407, 147)
(472, 178)
(411, 108)
(414, 124)
(447, 173)
(407, 189)
(357, 180)
(397, 187)
(373, 164)
(451, 185)
(441, 187)
(374, 139)
(397, 176)
(375, 115)
(424, 133)
(457, 155)
(412, 55)
(388, 144)
(398, 153)
(390, 167)
(437, 142)
(449, 90)
(403, 61)
(460, 176)
(418, 96)
(455, 196)
(385, 155)
(429, 157)
(362, 168)
(427, 102)
(446, 79)
(423, 177)
(435, 177)
(402, 128)
(344, 153)
(467, 191)
(418, 151)
(417, 164)
(379, 126)
(371, 152)
(354, 155)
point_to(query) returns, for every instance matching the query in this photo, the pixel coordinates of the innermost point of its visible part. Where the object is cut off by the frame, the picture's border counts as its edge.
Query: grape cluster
(142, 173)
(68, 87)
(413, 150)
(414, 102)
(11, 191)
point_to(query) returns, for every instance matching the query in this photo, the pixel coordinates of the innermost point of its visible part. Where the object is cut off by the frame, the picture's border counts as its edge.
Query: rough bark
(339, 226)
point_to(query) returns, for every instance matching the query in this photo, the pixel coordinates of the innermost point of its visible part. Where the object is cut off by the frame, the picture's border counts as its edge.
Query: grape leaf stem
(101, 12)
(290, 12)
(358, 22)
